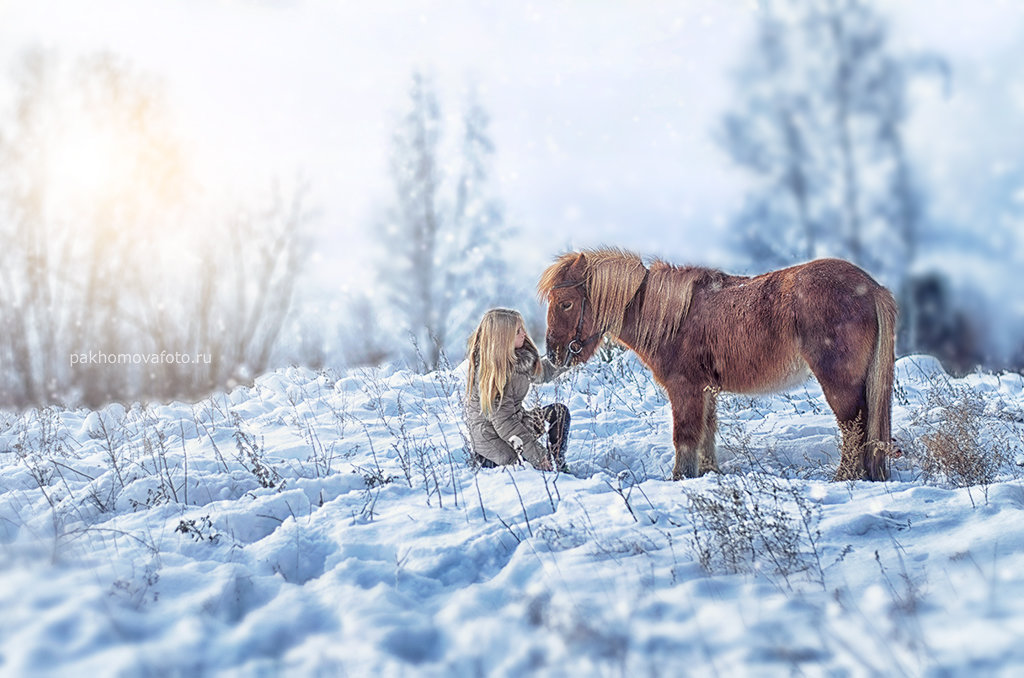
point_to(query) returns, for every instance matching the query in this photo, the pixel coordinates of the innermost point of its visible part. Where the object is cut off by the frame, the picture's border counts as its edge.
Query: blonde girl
(503, 363)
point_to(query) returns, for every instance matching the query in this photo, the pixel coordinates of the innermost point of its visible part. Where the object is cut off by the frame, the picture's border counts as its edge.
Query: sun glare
(87, 165)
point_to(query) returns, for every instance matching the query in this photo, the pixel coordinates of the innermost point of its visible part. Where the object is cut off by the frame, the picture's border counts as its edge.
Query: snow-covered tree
(445, 235)
(480, 236)
(819, 124)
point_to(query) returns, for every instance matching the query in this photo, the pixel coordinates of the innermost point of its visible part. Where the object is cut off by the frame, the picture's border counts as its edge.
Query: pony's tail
(880, 378)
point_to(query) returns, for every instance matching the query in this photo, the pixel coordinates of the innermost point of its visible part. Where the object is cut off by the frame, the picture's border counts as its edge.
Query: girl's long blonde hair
(492, 354)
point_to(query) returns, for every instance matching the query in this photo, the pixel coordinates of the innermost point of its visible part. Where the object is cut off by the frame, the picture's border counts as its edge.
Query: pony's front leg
(707, 459)
(688, 424)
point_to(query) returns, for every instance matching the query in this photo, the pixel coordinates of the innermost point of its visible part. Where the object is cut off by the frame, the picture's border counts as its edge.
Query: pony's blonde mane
(611, 280)
(667, 302)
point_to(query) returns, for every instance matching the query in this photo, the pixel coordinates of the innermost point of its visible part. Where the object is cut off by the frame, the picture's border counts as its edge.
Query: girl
(503, 362)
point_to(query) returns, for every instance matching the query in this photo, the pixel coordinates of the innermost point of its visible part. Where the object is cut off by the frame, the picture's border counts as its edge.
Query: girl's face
(520, 336)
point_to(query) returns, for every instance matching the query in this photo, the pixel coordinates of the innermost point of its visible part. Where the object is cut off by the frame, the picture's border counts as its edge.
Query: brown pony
(701, 331)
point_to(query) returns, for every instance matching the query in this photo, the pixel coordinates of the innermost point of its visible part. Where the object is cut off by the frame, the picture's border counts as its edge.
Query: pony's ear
(569, 267)
(578, 268)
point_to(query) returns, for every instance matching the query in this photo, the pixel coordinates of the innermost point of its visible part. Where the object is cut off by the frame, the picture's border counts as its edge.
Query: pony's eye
(566, 305)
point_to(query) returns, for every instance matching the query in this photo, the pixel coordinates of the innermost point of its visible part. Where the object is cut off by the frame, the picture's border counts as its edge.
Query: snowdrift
(320, 524)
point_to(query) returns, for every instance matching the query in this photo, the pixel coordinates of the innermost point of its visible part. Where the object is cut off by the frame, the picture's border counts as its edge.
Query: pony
(701, 331)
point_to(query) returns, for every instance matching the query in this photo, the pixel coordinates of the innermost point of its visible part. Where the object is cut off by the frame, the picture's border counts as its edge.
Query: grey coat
(490, 434)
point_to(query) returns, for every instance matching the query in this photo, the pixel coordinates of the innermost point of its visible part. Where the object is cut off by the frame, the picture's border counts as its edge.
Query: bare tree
(107, 249)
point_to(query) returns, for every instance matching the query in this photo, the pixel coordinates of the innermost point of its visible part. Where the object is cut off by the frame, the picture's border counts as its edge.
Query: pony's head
(587, 293)
(571, 335)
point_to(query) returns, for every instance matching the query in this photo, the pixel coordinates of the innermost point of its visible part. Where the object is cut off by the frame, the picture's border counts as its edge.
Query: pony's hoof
(843, 475)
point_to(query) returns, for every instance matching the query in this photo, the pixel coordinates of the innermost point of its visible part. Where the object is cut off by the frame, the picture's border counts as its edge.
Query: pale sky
(602, 112)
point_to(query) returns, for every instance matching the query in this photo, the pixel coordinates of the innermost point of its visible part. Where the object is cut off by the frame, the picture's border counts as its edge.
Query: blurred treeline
(111, 246)
(128, 254)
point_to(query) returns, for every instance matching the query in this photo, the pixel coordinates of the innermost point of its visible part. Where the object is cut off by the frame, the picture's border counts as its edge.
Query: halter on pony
(577, 344)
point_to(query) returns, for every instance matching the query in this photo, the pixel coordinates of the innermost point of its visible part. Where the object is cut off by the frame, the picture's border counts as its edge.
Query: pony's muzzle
(552, 350)
(573, 351)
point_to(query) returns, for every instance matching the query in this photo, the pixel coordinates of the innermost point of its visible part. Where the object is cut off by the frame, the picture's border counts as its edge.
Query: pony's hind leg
(848, 404)
(688, 421)
(708, 460)
(843, 321)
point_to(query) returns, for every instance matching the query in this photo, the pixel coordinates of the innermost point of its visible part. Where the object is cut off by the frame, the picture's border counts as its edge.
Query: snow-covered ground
(328, 524)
